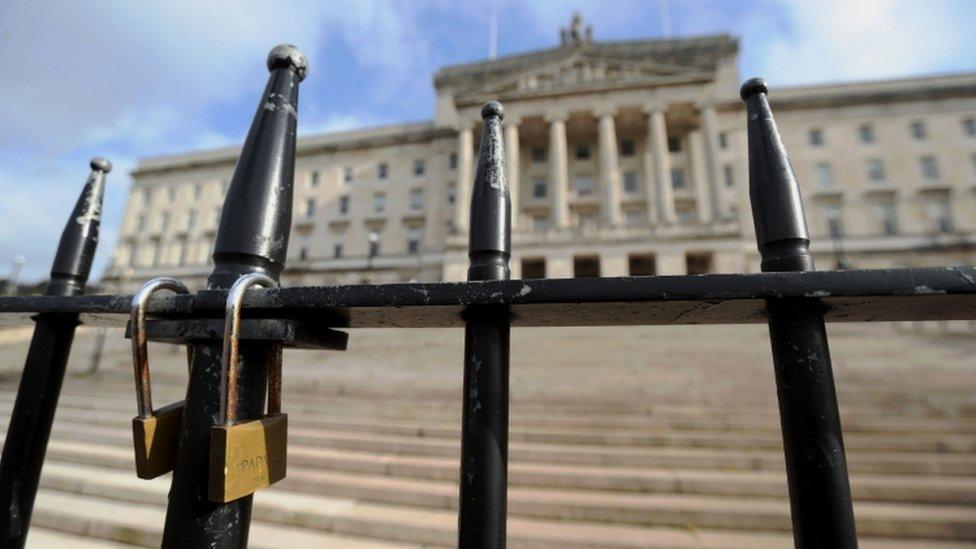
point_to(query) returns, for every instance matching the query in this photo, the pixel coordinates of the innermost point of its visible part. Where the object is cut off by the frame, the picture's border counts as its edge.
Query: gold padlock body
(157, 439)
(247, 457)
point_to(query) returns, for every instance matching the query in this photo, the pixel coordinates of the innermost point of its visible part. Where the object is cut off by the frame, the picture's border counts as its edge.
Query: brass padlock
(155, 433)
(248, 456)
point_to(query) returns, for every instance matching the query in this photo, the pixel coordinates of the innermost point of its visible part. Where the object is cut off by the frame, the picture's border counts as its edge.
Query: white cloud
(836, 41)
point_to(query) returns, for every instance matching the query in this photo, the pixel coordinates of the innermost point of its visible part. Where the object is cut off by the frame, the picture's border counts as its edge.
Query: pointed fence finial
(777, 208)
(490, 240)
(73, 261)
(256, 218)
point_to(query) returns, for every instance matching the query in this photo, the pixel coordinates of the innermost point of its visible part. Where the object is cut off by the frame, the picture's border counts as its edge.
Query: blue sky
(128, 80)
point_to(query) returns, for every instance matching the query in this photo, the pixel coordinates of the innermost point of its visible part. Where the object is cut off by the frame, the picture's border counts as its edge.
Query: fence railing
(792, 298)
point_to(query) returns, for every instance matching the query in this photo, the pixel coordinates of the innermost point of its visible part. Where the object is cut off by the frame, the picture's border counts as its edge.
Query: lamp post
(833, 221)
(16, 264)
(374, 239)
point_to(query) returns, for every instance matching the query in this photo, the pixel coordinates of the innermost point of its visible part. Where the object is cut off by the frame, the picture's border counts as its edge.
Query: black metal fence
(252, 239)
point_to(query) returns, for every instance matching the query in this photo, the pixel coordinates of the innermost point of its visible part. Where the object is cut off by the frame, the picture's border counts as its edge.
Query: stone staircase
(376, 470)
(611, 445)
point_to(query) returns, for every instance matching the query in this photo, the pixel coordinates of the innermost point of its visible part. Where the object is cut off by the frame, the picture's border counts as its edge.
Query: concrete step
(953, 491)
(41, 538)
(401, 523)
(139, 524)
(915, 463)
(648, 510)
(918, 442)
(299, 397)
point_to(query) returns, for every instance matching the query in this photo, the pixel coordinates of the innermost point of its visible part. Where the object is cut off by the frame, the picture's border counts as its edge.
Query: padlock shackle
(230, 355)
(140, 344)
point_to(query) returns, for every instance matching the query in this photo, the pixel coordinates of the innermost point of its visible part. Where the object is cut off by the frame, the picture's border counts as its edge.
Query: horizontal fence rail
(941, 293)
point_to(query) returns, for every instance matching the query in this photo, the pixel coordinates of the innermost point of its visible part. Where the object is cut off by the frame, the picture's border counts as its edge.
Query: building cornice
(381, 136)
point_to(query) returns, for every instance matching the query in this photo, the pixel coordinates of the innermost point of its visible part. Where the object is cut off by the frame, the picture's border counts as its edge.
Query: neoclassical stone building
(624, 158)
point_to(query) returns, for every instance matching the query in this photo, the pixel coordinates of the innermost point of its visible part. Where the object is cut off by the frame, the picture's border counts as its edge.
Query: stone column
(465, 173)
(512, 166)
(657, 162)
(709, 128)
(558, 171)
(699, 177)
(609, 168)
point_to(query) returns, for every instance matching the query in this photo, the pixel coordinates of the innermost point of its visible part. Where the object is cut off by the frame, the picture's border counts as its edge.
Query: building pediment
(582, 72)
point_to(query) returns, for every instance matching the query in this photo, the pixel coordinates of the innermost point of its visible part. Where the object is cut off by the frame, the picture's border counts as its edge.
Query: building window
(197, 191)
(824, 175)
(146, 197)
(674, 144)
(191, 219)
(347, 174)
(343, 204)
(930, 169)
(631, 181)
(141, 223)
(170, 194)
(918, 130)
(816, 137)
(634, 218)
(374, 244)
(586, 219)
(888, 218)
(540, 223)
(452, 161)
(303, 253)
(533, 267)
(582, 152)
(729, 175)
(835, 224)
(866, 133)
(451, 193)
(538, 155)
(164, 223)
(627, 148)
(723, 140)
(677, 178)
(538, 188)
(337, 250)
(382, 169)
(379, 202)
(698, 263)
(313, 179)
(586, 266)
(876, 170)
(413, 240)
(416, 199)
(419, 167)
(310, 207)
(969, 127)
(940, 215)
(642, 265)
(583, 185)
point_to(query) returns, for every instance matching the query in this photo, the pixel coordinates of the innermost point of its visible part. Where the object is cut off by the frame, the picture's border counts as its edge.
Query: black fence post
(816, 467)
(252, 237)
(484, 427)
(40, 384)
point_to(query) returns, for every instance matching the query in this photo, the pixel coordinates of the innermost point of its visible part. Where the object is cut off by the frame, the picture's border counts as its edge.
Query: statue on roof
(575, 34)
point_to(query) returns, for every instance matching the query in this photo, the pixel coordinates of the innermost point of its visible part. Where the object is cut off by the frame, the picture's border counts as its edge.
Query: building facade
(624, 158)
